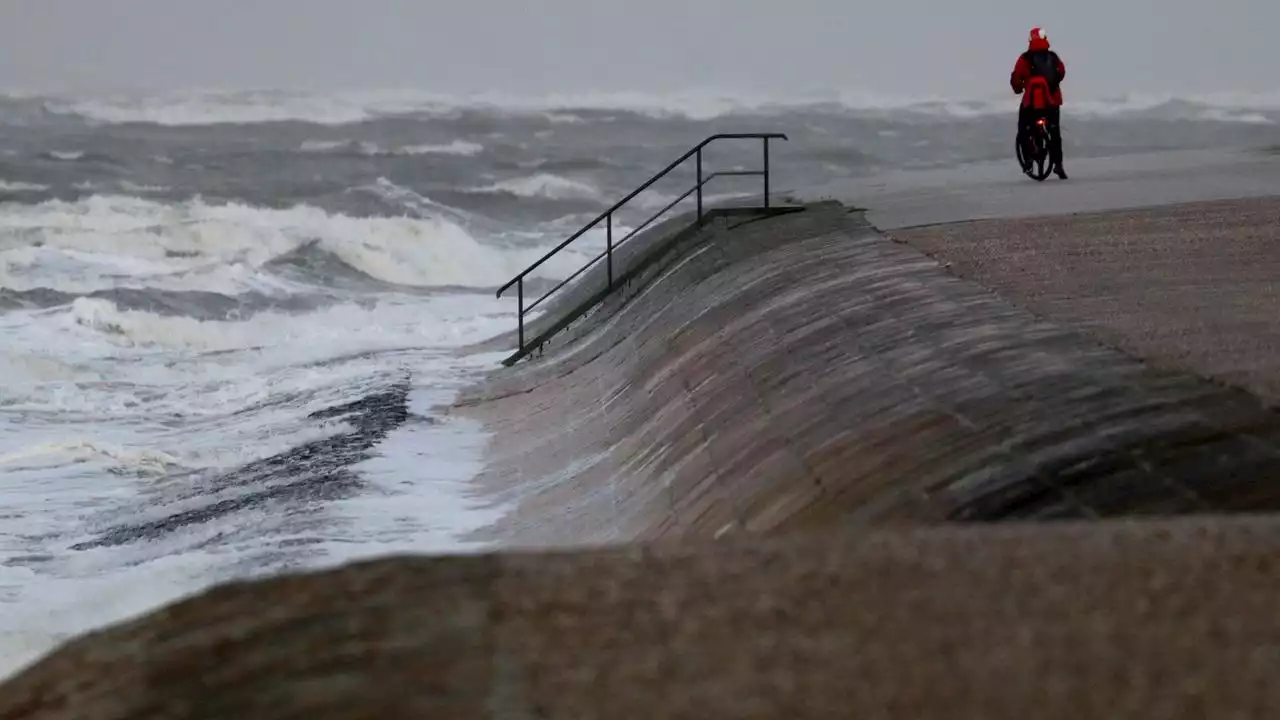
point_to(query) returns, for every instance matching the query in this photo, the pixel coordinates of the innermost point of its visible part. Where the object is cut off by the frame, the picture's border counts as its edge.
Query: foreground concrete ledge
(1169, 619)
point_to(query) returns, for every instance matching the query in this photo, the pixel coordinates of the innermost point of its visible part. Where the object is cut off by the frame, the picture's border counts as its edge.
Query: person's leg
(1055, 125)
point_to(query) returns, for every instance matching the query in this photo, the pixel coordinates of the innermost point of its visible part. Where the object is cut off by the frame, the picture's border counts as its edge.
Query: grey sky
(912, 47)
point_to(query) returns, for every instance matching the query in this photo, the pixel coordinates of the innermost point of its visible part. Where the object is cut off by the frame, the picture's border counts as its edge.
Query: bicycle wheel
(1041, 163)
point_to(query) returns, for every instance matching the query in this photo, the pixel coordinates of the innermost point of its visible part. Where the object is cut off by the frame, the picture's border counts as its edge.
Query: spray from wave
(205, 108)
(460, 148)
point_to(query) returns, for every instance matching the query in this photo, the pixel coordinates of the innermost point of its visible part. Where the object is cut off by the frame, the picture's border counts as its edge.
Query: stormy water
(230, 321)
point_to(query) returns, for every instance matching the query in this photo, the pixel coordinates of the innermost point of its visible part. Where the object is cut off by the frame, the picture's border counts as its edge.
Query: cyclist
(1038, 76)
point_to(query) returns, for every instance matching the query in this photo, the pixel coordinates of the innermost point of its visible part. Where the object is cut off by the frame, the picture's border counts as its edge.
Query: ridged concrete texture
(804, 371)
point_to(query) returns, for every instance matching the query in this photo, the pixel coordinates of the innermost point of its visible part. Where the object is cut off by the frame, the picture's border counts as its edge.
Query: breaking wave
(544, 185)
(9, 186)
(460, 148)
(106, 242)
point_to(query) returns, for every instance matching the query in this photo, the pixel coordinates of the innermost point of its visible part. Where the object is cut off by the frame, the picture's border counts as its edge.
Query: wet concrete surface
(806, 371)
(1193, 287)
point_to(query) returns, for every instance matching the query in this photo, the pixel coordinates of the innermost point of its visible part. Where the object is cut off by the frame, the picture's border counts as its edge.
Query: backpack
(1044, 79)
(1044, 64)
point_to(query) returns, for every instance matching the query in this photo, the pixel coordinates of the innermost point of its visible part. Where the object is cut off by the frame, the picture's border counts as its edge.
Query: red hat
(1038, 40)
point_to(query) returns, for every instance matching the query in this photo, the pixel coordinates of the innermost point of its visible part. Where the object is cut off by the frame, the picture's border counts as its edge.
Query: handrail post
(766, 171)
(699, 184)
(608, 238)
(520, 305)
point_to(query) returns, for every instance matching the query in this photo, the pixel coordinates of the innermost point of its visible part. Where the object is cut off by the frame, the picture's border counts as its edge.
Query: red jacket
(1037, 90)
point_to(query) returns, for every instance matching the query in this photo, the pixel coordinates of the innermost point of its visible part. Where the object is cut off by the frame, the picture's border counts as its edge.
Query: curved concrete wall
(800, 371)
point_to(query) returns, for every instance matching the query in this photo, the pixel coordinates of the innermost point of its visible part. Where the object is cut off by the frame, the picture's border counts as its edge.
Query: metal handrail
(638, 229)
(607, 217)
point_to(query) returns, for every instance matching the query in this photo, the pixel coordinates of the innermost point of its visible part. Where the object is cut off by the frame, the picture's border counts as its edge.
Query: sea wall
(804, 371)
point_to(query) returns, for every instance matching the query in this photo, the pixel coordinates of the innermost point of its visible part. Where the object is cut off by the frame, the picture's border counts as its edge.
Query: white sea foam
(135, 188)
(79, 600)
(91, 361)
(544, 185)
(457, 147)
(460, 148)
(320, 146)
(20, 187)
(109, 403)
